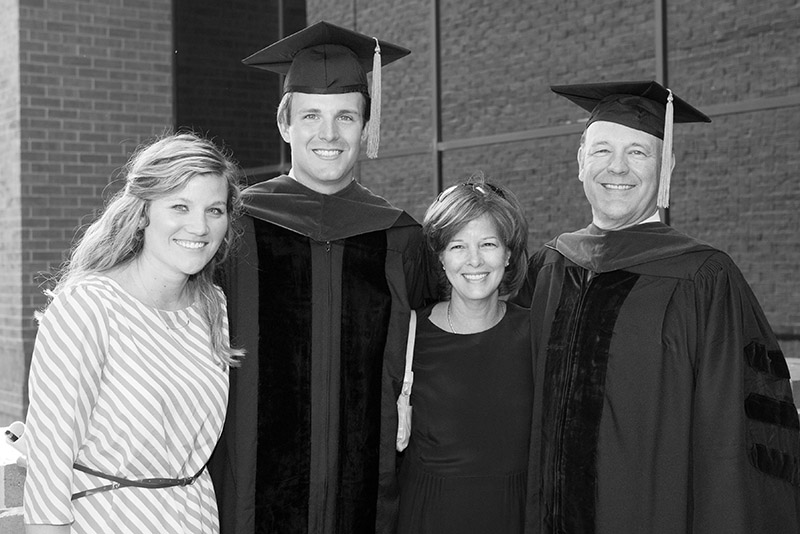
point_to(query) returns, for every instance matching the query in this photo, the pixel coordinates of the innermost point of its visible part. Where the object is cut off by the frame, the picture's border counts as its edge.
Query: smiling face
(325, 133)
(186, 227)
(619, 168)
(475, 260)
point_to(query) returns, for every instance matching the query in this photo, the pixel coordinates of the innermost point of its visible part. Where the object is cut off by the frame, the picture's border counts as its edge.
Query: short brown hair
(460, 204)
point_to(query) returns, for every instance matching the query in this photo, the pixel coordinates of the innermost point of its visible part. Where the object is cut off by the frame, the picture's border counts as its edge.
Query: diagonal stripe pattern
(130, 391)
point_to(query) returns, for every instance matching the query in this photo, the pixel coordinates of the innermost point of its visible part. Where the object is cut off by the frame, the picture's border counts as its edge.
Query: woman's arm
(64, 382)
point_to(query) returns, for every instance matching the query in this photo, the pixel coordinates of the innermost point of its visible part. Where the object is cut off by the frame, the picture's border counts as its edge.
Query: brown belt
(117, 482)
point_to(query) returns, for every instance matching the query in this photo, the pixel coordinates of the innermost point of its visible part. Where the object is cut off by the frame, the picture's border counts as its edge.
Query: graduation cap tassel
(374, 127)
(666, 156)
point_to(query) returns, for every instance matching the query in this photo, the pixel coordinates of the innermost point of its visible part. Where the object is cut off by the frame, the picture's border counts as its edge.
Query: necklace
(449, 321)
(501, 307)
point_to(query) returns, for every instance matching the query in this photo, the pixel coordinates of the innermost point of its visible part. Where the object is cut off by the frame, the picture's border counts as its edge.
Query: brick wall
(739, 188)
(95, 80)
(735, 183)
(11, 352)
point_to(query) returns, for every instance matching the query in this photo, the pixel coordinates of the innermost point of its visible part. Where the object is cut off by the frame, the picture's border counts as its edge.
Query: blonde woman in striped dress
(129, 378)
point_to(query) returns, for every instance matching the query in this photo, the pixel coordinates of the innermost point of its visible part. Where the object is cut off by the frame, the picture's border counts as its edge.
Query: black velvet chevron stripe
(771, 411)
(766, 361)
(366, 306)
(283, 465)
(776, 463)
(577, 360)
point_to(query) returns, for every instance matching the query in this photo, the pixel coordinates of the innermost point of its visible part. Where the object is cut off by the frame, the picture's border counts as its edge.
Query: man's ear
(580, 163)
(283, 128)
(364, 132)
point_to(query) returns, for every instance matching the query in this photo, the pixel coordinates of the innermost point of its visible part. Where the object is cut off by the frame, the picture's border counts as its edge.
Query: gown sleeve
(232, 465)
(746, 435)
(524, 296)
(63, 387)
(420, 270)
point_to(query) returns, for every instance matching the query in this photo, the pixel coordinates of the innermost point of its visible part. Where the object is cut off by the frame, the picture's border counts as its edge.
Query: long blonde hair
(116, 237)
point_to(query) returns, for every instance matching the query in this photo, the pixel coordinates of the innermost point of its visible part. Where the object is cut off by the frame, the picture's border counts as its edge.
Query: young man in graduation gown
(320, 298)
(663, 402)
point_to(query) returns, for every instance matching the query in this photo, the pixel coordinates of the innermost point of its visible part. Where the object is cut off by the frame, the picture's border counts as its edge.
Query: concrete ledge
(11, 521)
(12, 482)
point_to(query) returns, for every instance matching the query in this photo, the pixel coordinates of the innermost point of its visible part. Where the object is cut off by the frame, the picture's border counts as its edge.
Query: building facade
(84, 82)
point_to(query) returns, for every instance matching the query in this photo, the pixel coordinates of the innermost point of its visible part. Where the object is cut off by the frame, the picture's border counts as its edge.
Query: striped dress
(127, 390)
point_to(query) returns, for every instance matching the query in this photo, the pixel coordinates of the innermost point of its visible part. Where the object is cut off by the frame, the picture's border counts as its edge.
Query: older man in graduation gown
(663, 401)
(320, 297)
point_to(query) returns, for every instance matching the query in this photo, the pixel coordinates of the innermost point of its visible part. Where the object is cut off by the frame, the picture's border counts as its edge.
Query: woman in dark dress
(465, 467)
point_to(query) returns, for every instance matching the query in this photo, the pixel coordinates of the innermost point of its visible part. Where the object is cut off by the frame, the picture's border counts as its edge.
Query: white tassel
(374, 126)
(666, 156)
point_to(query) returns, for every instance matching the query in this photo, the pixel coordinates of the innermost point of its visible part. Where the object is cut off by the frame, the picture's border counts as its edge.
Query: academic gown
(662, 399)
(321, 292)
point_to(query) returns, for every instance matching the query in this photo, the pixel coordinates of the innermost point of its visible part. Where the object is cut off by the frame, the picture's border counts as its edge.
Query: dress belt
(117, 482)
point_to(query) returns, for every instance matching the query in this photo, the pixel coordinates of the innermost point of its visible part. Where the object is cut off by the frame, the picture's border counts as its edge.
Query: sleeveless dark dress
(465, 467)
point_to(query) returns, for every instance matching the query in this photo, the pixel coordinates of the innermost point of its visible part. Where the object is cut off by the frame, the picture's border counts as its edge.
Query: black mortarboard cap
(328, 59)
(324, 59)
(646, 106)
(638, 105)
